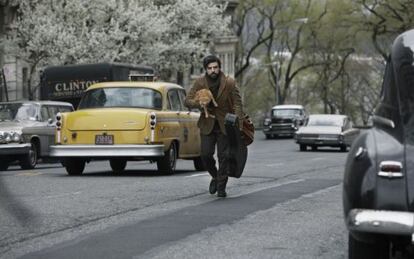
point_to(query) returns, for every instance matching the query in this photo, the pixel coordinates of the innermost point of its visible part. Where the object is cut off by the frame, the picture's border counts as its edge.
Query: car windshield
(325, 121)
(122, 97)
(17, 111)
(286, 112)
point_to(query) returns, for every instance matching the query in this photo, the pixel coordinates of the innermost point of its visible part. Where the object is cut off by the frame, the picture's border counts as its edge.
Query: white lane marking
(30, 174)
(63, 195)
(195, 175)
(317, 158)
(267, 187)
(275, 164)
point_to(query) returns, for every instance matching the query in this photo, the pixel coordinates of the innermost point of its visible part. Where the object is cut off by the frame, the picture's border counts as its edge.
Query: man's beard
(213, 75)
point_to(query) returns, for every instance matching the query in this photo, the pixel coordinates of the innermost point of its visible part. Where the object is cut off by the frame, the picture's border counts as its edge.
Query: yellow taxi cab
(125, 121)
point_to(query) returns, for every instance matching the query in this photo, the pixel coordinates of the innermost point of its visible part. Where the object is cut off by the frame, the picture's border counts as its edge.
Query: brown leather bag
(247, 129)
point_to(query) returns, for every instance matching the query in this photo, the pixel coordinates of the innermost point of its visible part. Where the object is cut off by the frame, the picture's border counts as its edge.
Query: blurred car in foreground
(284, 120)
(123, 121)
(27, 129)
(331, 130)
(378, 186)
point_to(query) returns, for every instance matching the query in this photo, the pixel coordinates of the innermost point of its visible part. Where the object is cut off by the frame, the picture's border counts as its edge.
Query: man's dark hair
(210, 59)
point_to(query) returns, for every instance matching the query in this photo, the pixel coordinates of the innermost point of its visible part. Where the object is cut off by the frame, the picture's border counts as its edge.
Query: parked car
(378, 186)
(27, 129)
(284, 120)
(123, 121)
(329, 130)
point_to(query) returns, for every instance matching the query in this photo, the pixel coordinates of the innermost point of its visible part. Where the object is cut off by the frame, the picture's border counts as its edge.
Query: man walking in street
(212, 129)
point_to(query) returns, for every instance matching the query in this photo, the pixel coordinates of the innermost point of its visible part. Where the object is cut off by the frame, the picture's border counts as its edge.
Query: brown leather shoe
(213, 186)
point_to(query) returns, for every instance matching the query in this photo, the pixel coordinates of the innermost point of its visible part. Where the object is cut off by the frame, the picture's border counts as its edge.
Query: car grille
(287, 120)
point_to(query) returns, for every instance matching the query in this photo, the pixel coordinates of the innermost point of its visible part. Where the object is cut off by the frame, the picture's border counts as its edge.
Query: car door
(182, 118)
(191, 133)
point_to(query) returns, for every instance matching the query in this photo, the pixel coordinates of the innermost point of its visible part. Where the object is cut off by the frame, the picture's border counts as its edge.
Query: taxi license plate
(104, 139)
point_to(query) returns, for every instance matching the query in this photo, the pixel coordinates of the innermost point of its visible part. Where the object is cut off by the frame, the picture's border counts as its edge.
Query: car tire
(302, 147)
(314, 148)
(198, 164)
(168, 162)
(358, 249)
(118, 165)
(29, 160)
(74, 166)
(343, 148)
(268, 136)
(4, 164)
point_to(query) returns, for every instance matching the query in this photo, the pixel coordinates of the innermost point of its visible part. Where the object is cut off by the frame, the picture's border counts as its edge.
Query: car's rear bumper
(287, 130)
(106, 151)
(14, 149)
(381, 221)
(320, 142)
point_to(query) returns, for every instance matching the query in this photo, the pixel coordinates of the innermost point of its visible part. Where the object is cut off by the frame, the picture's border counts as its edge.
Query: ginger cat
(204, 97)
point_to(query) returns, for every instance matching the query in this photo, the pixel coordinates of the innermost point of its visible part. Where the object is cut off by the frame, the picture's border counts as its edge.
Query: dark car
(27, 129)
(284, 120)
(378, 187)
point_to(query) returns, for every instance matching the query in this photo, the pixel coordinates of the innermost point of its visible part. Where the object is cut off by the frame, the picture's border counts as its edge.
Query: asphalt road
(286, 205)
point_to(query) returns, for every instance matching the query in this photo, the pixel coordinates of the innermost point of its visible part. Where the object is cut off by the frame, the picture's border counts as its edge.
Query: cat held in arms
(204, 97)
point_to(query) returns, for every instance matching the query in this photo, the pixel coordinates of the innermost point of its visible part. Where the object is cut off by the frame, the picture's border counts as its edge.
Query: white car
(27, 129)
(332, 130)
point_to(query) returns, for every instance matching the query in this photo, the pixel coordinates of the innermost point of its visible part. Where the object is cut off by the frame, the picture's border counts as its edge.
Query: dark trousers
(208, 148)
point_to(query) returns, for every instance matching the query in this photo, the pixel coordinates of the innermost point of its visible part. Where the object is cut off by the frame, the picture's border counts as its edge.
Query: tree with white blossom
(157, 33)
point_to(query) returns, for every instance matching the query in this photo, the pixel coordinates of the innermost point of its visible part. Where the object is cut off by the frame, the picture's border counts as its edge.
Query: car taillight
(153, 122)
(58, 128)
(390, 169)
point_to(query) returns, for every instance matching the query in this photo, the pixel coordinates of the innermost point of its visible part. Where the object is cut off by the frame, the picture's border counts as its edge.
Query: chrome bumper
(107, 150)
(319, 141)
(14, 149)
(382, 221)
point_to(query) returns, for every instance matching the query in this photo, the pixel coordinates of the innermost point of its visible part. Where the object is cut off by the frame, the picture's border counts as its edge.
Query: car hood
(16, 125)
(107, 119)
(319, 130)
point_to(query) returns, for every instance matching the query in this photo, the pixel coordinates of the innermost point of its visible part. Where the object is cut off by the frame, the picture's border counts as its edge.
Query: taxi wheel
(167, 163)
(4, 164)
(118, 165)
(29, 160)
(74, 166)
(198, 164)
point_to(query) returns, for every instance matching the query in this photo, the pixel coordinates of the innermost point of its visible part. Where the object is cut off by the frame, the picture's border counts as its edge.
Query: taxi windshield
(17, 111)
(137, 97)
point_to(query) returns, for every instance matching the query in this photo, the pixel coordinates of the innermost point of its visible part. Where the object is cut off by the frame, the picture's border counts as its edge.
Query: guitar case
(237, 149)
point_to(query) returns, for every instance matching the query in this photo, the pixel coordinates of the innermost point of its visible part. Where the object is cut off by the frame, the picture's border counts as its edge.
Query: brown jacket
(228, 93)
